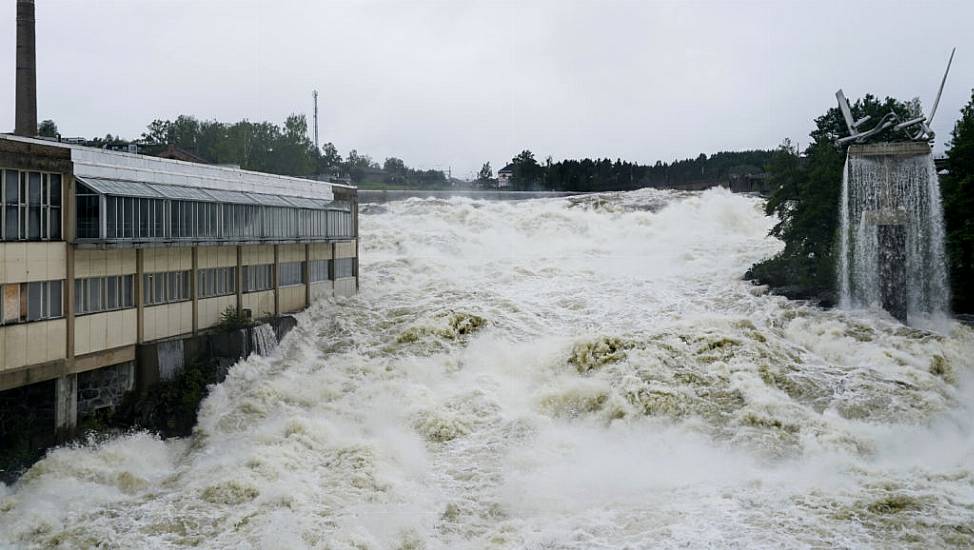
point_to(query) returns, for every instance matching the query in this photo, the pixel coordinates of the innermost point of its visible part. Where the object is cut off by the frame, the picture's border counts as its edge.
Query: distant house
(504, 176)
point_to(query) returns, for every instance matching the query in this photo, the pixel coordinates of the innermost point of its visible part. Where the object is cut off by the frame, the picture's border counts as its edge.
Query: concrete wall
(345, 286)
(157, 260)
(320, 251)
(260, 303)
(101, 263)
(101, 331)
(290, 253)
(257, 254)
(321, 289)
(32, 343)
(291, 298)
(345, 249)
(166, 320)
(23, 262)
(216, 256)
(210, 309)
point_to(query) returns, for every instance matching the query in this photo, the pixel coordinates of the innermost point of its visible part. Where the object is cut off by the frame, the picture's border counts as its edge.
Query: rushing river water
(555, 373)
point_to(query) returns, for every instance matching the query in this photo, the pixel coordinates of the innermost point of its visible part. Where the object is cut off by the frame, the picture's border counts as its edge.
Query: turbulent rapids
(557, 373)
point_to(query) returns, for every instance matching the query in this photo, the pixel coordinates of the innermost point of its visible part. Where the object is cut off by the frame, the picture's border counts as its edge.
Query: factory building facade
(102, 252)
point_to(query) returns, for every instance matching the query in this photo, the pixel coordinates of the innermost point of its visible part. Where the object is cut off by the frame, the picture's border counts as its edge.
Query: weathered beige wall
(345, 249)
(290, 253)
(167, 320)
(101, 331)
(320, 251)
(101, 263)
(216, 256)
(257, 254)
(157, 260)
(345, 286)
(32, 343)
(321, 289)
(210, 309)
(259, 303)
(29, 262)
(291, 298)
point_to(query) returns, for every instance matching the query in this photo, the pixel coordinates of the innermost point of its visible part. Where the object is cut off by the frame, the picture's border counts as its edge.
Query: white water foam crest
(558, 373)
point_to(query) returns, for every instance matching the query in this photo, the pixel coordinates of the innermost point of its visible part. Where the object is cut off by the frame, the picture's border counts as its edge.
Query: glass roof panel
(302, 202)
(268, 200)
(182, 192)
(120, 187)
(235, 197)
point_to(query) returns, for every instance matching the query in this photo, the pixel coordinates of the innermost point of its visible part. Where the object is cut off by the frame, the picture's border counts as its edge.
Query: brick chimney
(26, 115)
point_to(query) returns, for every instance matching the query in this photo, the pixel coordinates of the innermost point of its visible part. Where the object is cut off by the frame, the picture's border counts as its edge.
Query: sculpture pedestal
(892, 269)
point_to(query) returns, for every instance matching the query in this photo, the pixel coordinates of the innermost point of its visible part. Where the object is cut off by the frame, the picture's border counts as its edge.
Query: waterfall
(891, 248)
(263, 340)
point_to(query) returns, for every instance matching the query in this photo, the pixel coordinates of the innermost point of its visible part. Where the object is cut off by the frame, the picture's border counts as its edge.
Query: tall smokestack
(26, 115)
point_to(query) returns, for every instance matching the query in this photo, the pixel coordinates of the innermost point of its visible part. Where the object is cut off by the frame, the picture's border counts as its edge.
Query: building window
(216, 281)
(164, 288)
(290, 274)
(257, 277)
(25, 302)
(344, 267)
(30, 205)
(96, 294)
(318, 270)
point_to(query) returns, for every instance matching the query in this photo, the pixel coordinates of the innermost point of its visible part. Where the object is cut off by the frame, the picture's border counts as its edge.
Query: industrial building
(104, 252)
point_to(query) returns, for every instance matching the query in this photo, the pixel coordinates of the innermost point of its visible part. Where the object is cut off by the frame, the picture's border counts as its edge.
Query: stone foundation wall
(104, 388)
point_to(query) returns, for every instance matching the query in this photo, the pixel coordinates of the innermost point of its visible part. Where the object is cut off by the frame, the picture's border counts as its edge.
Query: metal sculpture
(917, 129)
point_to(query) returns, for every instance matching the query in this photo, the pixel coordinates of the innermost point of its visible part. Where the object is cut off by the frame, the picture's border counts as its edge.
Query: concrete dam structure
(113, 265)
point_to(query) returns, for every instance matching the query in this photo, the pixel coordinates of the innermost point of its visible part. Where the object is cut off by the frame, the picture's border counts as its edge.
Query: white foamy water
(557, 373)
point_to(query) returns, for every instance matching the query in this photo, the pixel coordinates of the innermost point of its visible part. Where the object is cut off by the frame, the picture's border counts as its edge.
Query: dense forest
(607, 175)
(958, 196)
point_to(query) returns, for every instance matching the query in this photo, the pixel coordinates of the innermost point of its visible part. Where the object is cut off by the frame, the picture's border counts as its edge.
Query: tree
(957, 188)
(485, 175)
(527, 173)
(47, 128)
(329, 159)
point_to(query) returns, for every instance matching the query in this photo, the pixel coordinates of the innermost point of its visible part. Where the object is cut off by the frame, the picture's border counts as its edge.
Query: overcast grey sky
(457, 83)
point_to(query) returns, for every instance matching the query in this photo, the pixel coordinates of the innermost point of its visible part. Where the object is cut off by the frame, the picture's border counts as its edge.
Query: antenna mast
(314, 94)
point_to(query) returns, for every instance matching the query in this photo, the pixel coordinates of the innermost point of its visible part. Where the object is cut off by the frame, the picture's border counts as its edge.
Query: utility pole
(314, 94)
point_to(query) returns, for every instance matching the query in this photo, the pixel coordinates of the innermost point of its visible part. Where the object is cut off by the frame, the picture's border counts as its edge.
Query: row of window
(290, 274)
(257, 277)
(97, 294)
(165, 288)
(216, 281)
(344, 267)
(146, 218)
(30, 205)
(21, 302)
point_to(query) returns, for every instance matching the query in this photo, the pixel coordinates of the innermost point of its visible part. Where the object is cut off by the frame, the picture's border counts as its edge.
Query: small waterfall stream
(887, 200)
(263, 340)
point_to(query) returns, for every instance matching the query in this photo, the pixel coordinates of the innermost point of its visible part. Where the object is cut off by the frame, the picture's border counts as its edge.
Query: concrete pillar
(331, 266)
(239, 278)
(139, 294)
(274, 283)
(193, 291)
(892, 269)
(307, 275)
(65, 406)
